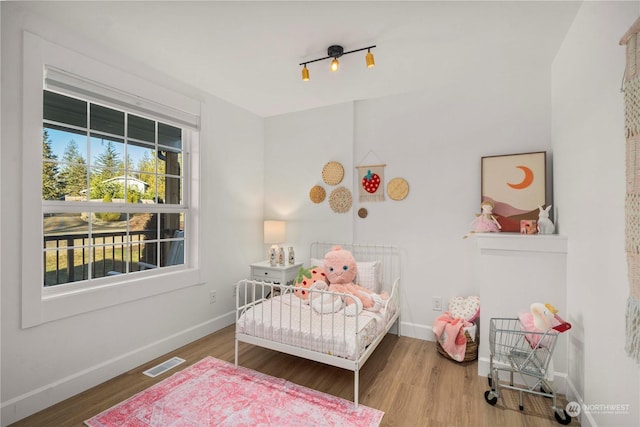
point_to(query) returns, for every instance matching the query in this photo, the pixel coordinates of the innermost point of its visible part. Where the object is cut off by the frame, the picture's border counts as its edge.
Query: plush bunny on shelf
(545, 226)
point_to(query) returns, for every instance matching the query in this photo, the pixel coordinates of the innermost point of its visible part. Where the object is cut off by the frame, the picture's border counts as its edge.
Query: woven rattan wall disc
(340, 200)
(332, 173)
(398, 188)
(317, 194)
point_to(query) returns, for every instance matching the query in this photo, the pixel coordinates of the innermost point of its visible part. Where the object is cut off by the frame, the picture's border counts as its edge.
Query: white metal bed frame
(253, 293)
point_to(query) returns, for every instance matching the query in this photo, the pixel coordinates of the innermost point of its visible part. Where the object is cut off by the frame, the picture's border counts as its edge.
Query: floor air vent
(163, 367)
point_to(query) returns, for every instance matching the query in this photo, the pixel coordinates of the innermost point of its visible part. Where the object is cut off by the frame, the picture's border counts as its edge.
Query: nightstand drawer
(280, 274)
(267, 275)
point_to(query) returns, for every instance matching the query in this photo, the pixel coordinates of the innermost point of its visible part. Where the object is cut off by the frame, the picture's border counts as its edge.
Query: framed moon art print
(516, 184)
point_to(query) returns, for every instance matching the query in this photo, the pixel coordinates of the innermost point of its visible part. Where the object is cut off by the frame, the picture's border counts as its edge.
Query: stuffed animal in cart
(341, 270)
(543, 316)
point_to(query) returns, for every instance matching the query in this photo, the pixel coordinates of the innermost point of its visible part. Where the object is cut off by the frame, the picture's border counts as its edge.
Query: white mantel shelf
(498, 242)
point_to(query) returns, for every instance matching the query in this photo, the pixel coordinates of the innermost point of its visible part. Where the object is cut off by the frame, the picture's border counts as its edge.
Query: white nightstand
(281, 275)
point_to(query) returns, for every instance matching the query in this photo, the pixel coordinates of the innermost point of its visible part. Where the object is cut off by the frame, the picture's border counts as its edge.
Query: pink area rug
(213, 392)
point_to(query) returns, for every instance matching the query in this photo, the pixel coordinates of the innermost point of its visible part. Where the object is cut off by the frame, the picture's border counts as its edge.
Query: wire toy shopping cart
(526, 353)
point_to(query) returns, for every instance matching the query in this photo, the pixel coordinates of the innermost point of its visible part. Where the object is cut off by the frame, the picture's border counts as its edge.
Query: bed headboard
(388, 255)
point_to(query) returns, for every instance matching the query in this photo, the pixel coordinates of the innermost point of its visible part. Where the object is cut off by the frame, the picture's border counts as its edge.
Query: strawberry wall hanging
(371, 179)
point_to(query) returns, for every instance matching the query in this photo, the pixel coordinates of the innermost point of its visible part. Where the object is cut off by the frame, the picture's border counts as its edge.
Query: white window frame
(45, 63)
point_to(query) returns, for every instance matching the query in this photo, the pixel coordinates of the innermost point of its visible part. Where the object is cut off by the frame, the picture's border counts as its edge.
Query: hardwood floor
(406, 378)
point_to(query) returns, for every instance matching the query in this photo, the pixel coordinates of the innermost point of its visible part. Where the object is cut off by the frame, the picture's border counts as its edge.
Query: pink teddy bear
(341, 269)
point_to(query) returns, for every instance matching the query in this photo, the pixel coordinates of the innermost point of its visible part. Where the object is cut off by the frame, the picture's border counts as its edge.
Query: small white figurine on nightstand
(273, 256)
(280, 256)
(545, 226)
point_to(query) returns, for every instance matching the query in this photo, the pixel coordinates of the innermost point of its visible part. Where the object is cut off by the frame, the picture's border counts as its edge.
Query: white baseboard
(414, 330)
(36, 400)
(586, 419)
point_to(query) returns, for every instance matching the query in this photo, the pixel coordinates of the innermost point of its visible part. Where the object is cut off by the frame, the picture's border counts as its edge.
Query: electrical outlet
(212, 297)
(436, 304)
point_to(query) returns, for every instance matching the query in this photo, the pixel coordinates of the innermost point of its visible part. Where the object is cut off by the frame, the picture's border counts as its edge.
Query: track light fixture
(335, 64)
(334, 52)
(369, 59)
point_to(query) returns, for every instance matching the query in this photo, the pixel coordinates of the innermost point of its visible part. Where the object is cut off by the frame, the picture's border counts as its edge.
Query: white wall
(297, 146)
(45, 364)
(589, 168)
(1, 119)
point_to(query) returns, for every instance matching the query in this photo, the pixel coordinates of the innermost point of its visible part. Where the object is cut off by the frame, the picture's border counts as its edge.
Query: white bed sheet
(287, 320)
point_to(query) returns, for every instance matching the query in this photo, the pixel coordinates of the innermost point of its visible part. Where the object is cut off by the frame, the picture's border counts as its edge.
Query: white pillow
(368, 273)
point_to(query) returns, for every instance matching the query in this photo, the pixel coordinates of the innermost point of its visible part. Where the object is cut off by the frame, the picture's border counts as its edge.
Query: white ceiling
(248, 53)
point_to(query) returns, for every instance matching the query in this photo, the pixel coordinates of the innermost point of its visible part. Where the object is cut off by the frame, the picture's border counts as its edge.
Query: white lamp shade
(274, 231)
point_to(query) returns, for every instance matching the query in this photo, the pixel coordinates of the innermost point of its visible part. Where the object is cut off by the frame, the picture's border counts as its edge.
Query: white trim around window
(74, 69)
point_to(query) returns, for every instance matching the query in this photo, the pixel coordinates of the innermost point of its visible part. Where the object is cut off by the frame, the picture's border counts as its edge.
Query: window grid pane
(64, 109)
(107, 120)
(141, 129)
(98, 154)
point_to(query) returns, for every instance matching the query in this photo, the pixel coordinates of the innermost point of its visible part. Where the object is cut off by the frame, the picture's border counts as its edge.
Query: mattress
(287, 320)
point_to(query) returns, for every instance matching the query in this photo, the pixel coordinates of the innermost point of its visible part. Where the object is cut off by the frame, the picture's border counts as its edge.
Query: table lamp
(274, 234)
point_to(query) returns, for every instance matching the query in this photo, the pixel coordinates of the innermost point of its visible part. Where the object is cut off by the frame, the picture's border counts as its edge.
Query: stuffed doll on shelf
(485, 222)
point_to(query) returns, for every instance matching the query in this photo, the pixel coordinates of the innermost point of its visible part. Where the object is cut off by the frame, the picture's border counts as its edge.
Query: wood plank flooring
(406, 378)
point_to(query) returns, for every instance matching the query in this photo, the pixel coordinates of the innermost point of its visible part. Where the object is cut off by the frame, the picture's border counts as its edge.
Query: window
(110, 184)
(112, 191)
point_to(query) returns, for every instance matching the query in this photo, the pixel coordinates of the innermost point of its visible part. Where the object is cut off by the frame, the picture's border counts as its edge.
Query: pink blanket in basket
(450, 335)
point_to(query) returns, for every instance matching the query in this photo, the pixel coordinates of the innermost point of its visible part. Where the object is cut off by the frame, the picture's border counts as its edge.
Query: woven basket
(340, 200)
(472, 348)
(398, 188)
(332, 173)
(317, 194)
